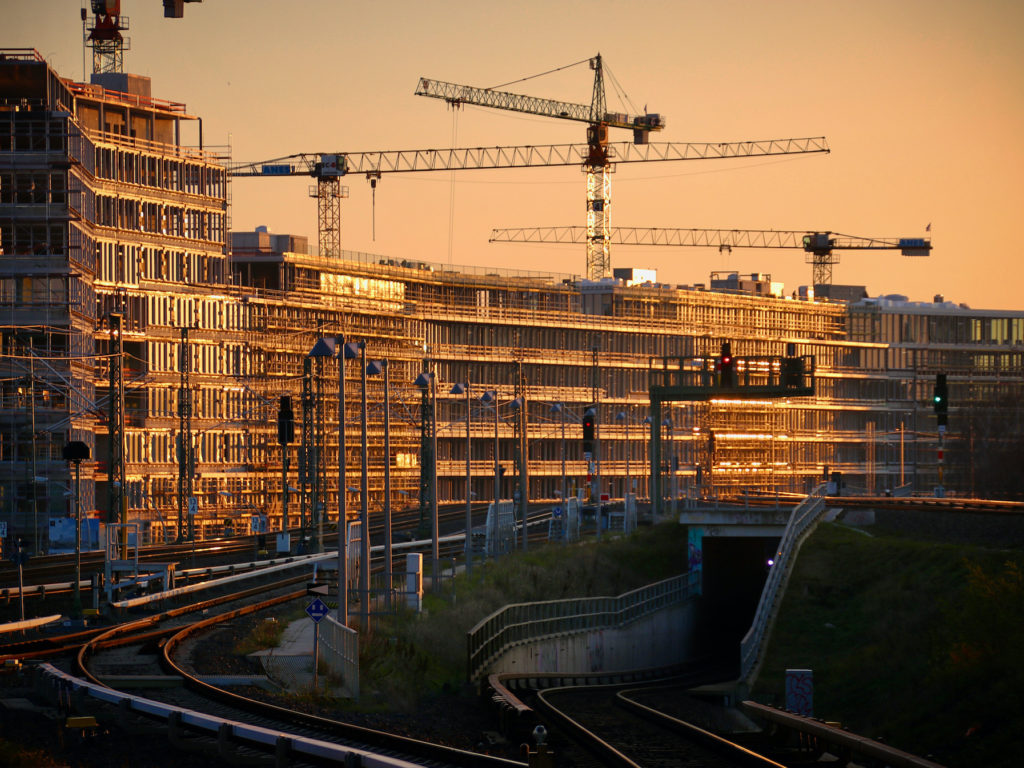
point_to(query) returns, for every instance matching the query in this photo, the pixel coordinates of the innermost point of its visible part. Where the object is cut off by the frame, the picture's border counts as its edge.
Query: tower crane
(819, 247)
(328, 169)
(597, 162)
(104, 36)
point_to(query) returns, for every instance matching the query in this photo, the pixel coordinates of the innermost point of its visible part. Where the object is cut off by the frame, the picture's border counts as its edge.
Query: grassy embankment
(410, 656)
(920, 643)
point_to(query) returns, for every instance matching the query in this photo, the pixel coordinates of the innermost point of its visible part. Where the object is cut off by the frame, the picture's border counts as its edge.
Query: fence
(339, 650)
(564, 525)
(624, 520)
(522, 623)
(800, 524)
(501, 529)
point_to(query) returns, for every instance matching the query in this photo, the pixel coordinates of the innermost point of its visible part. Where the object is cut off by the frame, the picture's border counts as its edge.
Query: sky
(921, 101)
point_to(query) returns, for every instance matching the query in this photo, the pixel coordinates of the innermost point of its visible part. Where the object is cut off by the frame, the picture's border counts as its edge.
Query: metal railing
(624, 520)
(528, 622)
(339, 649)
(800, 524)
(500, 529)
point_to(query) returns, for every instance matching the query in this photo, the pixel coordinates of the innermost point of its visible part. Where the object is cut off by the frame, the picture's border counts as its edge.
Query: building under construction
(135, 322)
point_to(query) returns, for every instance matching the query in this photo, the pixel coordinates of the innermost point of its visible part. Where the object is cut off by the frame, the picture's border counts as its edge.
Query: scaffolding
(105, 209)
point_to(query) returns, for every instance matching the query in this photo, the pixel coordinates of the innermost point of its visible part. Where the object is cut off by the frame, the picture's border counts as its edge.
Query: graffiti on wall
(800, 691)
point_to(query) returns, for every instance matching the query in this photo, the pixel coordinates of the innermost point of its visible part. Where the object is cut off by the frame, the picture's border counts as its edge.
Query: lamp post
(285, 435)
(671, 463)
(590, 417)
(323, 348)
(346, 351)
(650, 451)
(560, 409)
(426, 381)
(623, 416)
(490, 397)
(522, 476)
(76, 452)
(463, 389)
(375, 368)
(364, 502)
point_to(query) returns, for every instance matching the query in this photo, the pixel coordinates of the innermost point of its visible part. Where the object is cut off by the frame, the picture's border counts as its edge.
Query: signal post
(692, 379)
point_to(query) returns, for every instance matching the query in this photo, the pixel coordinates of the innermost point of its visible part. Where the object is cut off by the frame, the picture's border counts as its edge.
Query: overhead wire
(541, 74)
(619, 90)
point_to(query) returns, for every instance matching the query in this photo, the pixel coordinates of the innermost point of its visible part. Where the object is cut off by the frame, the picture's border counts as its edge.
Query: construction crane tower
(104, 36)
(598, 162)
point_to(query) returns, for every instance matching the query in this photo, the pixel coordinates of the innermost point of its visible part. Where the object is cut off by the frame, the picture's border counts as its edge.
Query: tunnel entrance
(735, 570)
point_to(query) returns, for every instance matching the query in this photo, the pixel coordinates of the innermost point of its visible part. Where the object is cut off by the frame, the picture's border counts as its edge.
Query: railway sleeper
(223, 745)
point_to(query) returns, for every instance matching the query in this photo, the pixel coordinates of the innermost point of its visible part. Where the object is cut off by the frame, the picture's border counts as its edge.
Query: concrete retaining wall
(662, 639)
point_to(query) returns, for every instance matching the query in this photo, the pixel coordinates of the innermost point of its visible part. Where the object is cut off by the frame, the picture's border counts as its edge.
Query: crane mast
(597, 165)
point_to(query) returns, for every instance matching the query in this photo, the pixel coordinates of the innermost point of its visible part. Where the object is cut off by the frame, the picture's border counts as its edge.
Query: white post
(414, 581)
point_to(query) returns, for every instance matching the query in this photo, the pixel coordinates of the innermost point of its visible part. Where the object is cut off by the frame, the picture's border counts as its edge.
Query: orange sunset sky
(922, 103)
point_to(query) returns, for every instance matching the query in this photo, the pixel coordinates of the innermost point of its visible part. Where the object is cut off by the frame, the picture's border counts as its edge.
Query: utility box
(414, 581)
(284, 543)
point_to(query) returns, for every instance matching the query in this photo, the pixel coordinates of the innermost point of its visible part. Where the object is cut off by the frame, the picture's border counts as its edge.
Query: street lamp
(426, 382)
(522, 480)
(346, 351)
(364, 503)
(650, 449)
(76, 452)
(671, 463)
(490, 397)
(375, 368)
(590, 418)
(324, 347)
(622, 416)
(560, 409)
(463, 389)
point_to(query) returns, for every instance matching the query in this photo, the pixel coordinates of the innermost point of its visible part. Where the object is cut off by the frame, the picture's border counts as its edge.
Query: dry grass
(410, 656)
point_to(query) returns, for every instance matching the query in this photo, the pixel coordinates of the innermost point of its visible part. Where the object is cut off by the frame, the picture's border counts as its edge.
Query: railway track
(148, 657)
(60, 568)
(609, 726)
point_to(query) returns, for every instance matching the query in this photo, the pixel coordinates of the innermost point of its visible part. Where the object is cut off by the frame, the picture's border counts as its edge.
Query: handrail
(526, 622)
(339, 648)
(801, 521)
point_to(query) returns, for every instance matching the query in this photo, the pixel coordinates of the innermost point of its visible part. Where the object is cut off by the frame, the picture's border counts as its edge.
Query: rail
(521, 623)
(800, 524)
(265, 739)
(878, 753)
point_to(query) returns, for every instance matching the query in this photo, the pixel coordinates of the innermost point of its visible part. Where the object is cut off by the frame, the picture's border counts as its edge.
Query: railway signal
(285, 421)
(588, 430)
(727, 366)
